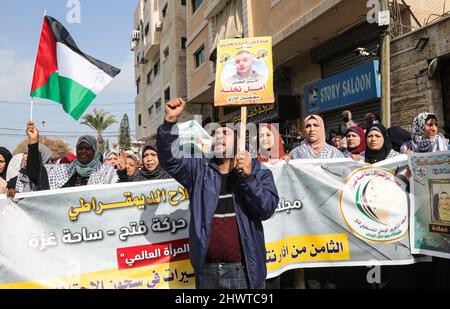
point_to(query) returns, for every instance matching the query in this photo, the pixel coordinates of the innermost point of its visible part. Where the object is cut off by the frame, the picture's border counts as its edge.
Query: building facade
(421, 74)
(314, 43)
(159, 44)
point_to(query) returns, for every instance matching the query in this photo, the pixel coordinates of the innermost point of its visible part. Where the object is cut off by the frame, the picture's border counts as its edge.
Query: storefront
(357, 90)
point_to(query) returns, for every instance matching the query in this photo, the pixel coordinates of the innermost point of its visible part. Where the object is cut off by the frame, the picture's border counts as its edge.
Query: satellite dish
(433, 67)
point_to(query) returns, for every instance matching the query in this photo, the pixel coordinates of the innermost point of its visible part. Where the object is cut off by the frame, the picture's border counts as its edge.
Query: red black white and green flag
(64, 74)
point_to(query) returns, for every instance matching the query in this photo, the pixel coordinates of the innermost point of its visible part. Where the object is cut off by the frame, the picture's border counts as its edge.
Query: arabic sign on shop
(358, 85)
(244, 73)
(136, 235)
(258, 113)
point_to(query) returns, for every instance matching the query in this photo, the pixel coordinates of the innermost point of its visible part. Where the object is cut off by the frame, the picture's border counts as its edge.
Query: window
(156, 67)
(195, 5)
(164, 10)
(138, 82)
(139, 120)
(166, 53)
(150, 110)
(183, 2)
(149, 77)
(183, 43)
(147, 28)
(167, 94)
(158, 105)
(200, 57)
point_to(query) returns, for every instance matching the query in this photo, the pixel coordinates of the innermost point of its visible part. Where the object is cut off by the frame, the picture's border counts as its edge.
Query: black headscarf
(144, 174)
(374, 156)
(7, 156)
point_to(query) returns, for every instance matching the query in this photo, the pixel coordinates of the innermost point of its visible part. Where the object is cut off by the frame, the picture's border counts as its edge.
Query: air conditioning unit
(133, 45)
(136, 35)
(159, 25)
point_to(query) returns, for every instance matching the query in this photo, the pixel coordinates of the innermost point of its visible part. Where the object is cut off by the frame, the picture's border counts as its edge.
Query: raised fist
(174, 108)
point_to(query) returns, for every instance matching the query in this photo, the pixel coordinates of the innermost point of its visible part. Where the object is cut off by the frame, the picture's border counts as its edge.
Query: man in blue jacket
(230, 196)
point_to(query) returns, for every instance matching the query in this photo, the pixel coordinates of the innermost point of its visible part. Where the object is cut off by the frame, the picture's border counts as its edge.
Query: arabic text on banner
(331, 213)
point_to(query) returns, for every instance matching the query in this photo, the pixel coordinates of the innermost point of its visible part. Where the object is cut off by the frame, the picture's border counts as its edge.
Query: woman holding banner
(85, 170)
(151, 169)
(111, 158)
(378, 144)
(315, 146)
(356, 144)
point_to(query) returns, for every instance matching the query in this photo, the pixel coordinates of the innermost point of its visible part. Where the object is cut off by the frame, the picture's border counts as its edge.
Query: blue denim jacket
(255, 199)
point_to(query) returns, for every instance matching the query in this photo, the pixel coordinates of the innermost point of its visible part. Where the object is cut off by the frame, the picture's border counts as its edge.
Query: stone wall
(412, 91)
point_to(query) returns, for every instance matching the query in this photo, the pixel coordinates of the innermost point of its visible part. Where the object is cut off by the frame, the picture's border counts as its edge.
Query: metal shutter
(333, 119)
(339, 55)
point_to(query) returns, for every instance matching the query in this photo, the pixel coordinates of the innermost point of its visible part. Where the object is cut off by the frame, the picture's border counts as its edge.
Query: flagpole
(31, 109)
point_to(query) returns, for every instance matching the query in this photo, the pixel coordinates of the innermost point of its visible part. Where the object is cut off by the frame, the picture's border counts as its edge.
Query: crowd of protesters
(243, 188)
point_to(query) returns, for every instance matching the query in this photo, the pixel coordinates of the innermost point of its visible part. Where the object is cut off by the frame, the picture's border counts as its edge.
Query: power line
(23, 136)
(52, 104)
(13, 131)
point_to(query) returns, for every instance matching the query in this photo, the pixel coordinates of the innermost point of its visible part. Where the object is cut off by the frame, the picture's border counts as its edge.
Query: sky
(102, 29)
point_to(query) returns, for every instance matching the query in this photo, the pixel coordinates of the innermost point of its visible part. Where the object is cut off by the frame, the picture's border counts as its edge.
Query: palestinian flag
(64, 74)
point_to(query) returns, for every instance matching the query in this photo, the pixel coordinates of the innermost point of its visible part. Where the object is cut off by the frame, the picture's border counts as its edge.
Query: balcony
(152, 40)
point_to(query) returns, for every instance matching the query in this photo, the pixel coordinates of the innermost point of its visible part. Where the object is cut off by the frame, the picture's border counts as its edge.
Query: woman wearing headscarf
(337, 142)
(133, 163)
(5, 158)
(111, 158)
(425, 136)
(22, 182)
(314, 146)
(85, 170)
(378, 144)
(356, 144)
(271, 147)
(151, 169)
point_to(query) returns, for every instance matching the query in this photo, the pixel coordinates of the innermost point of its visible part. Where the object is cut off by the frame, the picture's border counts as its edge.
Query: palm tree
(99, 121)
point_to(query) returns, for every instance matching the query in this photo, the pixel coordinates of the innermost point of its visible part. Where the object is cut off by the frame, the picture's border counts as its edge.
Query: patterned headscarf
(110, 152)
(419, 142)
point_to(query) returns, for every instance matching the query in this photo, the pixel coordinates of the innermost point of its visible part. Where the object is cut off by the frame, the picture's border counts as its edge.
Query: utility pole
(384, 24)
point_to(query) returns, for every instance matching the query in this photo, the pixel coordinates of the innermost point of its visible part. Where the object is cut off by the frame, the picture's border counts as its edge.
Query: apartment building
(159, 45)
